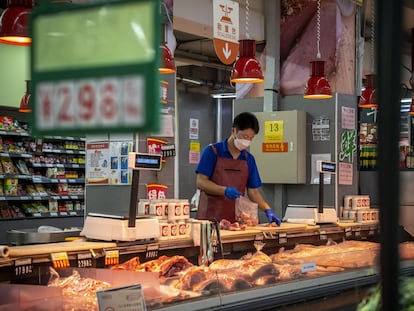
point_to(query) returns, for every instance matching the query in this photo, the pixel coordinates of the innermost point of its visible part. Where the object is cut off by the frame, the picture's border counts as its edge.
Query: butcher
(227, 171)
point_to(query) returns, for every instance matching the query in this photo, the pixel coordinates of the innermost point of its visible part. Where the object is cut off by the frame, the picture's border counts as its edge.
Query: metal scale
(312, 214)
(132, 227)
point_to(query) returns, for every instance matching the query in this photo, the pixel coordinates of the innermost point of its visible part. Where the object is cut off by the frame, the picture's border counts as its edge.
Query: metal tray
(33, 236)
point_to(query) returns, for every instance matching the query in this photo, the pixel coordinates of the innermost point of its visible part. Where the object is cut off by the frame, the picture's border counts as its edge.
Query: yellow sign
(275, 147)
(273, 131)
(194, 146)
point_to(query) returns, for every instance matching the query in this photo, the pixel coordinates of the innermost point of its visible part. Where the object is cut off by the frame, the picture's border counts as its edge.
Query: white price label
(308, 267)
(90, 103)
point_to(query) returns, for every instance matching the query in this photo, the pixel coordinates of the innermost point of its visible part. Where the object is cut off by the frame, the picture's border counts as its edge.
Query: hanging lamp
(25, 101)
(167, 60)
(14, 22)
(318, 86)
(247, 68)
(368, 98)
(167, 64)
(411, 112)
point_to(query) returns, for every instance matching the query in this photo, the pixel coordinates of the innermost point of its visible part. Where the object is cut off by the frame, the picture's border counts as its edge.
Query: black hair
(246, 120)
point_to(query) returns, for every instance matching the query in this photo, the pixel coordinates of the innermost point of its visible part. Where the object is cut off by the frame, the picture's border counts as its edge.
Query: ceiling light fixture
(25, 101)
(14, 22)
(167, 64)
(318, 86)
(368, 98)
(247, 68)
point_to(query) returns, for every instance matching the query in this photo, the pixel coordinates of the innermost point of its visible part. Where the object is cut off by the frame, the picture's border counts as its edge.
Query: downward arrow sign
(226, 51)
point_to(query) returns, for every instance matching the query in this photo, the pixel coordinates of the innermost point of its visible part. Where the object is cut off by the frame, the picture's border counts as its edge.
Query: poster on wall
(194, 129)
(321, 129)
(97, 163)
(119, 172)
(348, 118)
(194, 153)
(345, 173)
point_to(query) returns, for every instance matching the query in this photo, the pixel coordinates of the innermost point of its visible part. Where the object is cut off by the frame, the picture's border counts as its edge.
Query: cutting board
(242, 233)
(252, 231)
(284, 227)
(28, 250)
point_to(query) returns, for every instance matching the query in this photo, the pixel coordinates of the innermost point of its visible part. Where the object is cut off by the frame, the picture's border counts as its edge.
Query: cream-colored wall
(14, 70)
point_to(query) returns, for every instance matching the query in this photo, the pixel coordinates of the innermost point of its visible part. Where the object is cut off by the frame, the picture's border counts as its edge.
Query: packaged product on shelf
(361, 202)
(69, 205)
(156, 209)
(10, 186)
(164, 230)
(8, 166)
(53, 205)
(22, 167)
(175, 210)
(40, 190)
(143, 207)
(173, 230)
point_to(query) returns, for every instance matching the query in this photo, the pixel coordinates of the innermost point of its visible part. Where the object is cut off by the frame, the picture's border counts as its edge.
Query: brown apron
(230, 173)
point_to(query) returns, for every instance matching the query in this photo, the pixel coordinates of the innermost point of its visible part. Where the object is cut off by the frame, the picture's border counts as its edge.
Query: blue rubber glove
(232, 193)
(272, 217)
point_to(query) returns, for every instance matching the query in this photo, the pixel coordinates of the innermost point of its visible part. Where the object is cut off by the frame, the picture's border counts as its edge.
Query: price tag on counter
(85, 260)
(357, 232)
(60, 260)
(308, 267)
(152, 251)
(111, 257)
(259, 237)
(322, 235)
(23, 266)
(125, 298)
(348, 232)
(270, 235)
(282, 238)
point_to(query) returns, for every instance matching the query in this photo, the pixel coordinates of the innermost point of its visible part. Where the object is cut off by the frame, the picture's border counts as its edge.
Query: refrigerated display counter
(27, 264)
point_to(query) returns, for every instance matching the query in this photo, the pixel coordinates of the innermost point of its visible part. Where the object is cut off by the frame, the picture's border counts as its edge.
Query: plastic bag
(246, 212)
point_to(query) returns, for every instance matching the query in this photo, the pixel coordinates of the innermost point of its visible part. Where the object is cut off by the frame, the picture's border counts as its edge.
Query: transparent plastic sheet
(246, 212)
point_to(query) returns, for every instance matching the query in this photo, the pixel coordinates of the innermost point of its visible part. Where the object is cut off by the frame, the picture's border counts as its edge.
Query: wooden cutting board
(37, 249)
(242, 233)
(284, 226)
(252, 231)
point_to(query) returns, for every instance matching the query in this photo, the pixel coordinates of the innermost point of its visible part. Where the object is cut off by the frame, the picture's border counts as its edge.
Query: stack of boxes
(358, 208)
(173, 216)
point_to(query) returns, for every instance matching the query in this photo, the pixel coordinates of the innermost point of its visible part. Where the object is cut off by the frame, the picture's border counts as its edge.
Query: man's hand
(232, 193)
(272, 217)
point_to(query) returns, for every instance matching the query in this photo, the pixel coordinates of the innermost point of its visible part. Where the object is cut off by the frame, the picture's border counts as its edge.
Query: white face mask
(241, 144)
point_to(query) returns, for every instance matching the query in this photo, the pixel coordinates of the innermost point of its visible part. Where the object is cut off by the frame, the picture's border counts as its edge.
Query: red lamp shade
(368, 97)
(247, 69)
(317, 86)
(167, 60)
(14, 22)
(411, 112)
(25, 101)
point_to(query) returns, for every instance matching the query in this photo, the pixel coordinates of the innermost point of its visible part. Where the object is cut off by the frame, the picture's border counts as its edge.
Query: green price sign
(94, 67)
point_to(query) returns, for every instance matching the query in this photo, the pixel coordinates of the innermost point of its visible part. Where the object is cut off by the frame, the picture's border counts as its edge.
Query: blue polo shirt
(208, 162)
